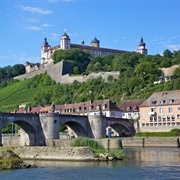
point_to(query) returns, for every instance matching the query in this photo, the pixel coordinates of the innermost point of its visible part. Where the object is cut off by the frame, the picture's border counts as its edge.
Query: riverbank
(10, 160)
(55, 153)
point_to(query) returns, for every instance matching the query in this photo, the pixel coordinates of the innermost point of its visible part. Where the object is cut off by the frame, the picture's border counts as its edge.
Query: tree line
(136, 80)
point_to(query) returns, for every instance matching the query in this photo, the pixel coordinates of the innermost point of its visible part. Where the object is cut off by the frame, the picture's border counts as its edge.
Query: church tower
(142, 47)
(65, 41)
(44, 51)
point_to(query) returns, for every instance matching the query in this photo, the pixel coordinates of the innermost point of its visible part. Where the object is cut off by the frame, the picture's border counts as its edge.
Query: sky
(117, 24)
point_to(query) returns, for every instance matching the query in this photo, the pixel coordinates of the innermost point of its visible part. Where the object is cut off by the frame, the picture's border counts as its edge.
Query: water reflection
(151, 156)
(140, 163)
(140, 156)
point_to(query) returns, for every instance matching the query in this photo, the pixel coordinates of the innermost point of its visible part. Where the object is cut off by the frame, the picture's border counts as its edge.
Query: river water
(139, 163)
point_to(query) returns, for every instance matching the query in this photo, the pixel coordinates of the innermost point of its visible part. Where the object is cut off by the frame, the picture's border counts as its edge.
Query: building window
(153, 102)
(151, 119)
(104, 106)
(128, 108)
(159, 118)
(155, 119)
(164, 118)
(178, 108)
(170, 110)
(135, 108)
(161, 110)
(152, 109)
(171, 101)
(173, 117)
(178, 116)
(168, 118)
(162, 102)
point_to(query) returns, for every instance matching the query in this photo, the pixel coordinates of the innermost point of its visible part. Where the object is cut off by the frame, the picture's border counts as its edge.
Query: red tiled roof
(162, 98)
(131, 105)
(83, 107)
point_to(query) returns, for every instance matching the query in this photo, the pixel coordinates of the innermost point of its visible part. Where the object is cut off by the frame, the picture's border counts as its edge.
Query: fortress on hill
(60, 71)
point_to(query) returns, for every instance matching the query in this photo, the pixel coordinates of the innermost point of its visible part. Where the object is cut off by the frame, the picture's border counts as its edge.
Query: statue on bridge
(52, 107)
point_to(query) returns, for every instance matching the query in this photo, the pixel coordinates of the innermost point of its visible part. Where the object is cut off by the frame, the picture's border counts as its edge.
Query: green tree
(18, 69)
(76, 70)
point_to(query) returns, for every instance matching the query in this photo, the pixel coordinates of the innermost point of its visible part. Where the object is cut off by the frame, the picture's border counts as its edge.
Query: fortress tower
(142, 47)
(65, 41)
(45, 51)
(95, 43)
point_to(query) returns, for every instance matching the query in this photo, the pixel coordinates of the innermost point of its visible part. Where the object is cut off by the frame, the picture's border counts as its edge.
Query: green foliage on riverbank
(172, 133)
(96, 147)
(9, 160)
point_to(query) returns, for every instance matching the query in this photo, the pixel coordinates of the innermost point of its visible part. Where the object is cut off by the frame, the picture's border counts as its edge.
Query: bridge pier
(50, 125)
(98, 126)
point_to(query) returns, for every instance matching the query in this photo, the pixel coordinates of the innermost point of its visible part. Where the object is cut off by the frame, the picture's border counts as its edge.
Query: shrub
(81, 141)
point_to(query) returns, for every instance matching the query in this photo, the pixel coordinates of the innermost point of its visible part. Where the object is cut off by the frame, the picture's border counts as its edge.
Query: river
(140, 163)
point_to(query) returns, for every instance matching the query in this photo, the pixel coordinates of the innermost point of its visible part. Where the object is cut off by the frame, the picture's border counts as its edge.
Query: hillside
(136, 81)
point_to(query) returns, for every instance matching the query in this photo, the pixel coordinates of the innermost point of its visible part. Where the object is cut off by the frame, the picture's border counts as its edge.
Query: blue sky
(118, 24)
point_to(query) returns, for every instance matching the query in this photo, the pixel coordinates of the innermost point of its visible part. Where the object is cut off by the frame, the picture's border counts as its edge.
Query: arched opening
(21, 134)
(74, 130)
(117, 130)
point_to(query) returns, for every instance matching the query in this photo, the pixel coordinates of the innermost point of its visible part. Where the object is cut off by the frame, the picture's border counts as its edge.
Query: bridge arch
(75, 129)
(76, 126)
(32, 133)
(121, 125)
(119, 128)
(28, 132)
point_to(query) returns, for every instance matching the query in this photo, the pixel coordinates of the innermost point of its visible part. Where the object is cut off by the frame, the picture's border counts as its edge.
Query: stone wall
(54, 153)
(60, 73)
(31, 74)
(158, 129)
(111, 143)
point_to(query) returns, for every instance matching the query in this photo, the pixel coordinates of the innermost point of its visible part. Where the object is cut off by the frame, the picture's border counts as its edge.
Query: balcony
(152, 113)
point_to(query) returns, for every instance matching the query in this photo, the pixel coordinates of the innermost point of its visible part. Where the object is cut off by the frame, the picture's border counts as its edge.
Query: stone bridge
(41, 127)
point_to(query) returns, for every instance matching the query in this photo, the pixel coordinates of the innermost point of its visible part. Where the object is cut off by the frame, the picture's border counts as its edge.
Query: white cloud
(34, 28)
(173, 47)
(30, 20)
(35, 10)
(46, 25)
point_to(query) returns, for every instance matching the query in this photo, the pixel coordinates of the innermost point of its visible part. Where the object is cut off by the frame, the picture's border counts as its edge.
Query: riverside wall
(54, 153)
(111, 143)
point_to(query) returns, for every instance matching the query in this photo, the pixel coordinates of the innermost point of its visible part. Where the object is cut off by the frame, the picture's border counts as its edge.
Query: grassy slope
(17, 93)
